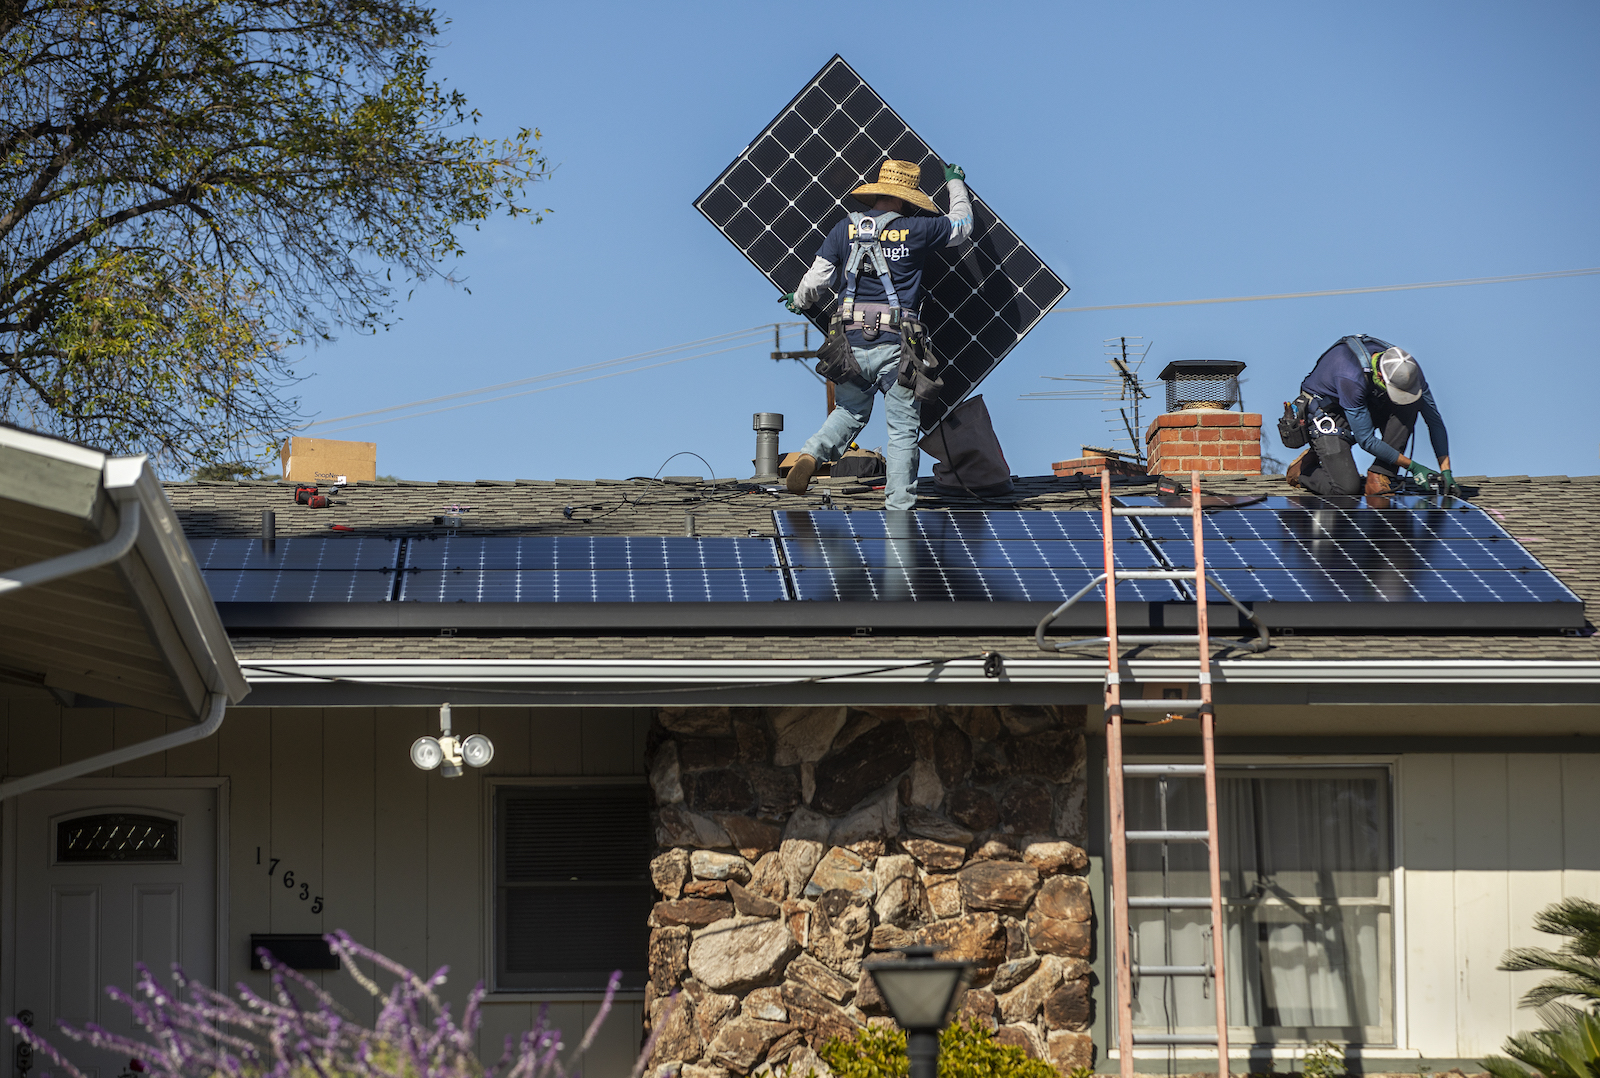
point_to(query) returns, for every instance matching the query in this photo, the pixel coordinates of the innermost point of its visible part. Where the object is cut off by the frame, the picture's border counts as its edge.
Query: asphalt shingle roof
(1556, 517)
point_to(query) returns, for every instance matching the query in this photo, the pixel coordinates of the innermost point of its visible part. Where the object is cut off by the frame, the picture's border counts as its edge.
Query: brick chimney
(1096, 460)
(1200, 432)
(1204, 441)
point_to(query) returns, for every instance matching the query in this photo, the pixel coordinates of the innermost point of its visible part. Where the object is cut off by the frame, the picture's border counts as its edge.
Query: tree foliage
(1568, 1003)
(966, 1050)
(192, 190)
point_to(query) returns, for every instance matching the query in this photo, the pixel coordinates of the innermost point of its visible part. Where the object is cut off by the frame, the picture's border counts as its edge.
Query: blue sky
(1147, 151)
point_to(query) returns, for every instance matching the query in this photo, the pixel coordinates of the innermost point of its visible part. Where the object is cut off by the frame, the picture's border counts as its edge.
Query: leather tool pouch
(1292, 424)
(918, 364)
(836, 360)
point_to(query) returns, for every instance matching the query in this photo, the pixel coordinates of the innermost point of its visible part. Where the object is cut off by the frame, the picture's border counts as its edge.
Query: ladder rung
(1154, 903)
(1168, 836)
(1172, 971)
(1139, 640)
(1163, 769)
(1150, 511)
(1154, 574)
(1162, 705)
(1174, 1038)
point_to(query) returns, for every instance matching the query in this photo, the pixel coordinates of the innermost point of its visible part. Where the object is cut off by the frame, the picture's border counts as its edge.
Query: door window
(116, 836)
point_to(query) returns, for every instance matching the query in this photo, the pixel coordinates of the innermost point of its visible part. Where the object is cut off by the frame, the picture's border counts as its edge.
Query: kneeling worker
(874, 261)
(1367, 392)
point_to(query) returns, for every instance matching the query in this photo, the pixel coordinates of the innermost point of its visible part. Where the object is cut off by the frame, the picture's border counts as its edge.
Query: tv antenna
(1123, 388)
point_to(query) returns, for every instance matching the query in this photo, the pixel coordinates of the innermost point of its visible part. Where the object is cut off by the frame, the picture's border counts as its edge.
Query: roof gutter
(217, 706)
(662, 682)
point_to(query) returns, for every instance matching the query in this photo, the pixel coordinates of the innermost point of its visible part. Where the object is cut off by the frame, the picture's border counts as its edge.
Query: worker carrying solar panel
(876, 342)
(1363, 391)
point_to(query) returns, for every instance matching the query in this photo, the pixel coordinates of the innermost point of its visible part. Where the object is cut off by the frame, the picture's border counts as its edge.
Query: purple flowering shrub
(300, 1032)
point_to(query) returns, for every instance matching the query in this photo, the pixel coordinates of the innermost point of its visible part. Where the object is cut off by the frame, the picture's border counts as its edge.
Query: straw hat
(898, 179)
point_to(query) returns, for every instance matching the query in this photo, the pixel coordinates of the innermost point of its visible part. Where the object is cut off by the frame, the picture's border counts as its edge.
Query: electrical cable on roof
(1336, 291)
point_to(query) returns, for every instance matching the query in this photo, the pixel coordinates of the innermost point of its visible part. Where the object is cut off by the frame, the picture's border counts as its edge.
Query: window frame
(1392, 991)
(491, 905)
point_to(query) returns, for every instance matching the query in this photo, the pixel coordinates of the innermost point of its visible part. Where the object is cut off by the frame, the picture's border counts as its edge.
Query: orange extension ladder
(1115, 707)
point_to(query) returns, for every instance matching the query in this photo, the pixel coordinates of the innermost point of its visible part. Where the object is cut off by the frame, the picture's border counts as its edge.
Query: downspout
(79, 561)
(216, 707)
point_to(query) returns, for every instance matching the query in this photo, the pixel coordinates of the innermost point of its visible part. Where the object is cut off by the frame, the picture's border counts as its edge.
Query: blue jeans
(852, 409)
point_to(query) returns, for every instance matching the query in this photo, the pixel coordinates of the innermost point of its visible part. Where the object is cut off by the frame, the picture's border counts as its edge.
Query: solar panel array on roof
(600, 569)
(1411, 562)
(778, 199)
(979, 556)
(1302, 562)
(350, 569)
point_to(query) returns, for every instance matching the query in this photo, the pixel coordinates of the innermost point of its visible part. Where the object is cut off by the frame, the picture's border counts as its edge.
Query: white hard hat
(1402, 378)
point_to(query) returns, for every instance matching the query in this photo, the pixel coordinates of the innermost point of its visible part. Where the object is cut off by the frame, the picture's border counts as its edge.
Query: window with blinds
(1307, 860)
(572, 886)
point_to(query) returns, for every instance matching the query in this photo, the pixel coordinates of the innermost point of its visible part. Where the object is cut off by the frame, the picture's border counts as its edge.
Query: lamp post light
(920, 992)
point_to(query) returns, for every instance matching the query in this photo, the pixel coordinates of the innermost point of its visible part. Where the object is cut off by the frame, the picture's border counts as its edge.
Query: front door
(107, 878)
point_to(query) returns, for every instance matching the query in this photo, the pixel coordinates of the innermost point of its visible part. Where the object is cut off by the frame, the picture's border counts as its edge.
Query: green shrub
(965, 1051)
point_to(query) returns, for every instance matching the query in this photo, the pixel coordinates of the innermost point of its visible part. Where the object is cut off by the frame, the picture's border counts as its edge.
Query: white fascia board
(166, 553)
(646, 672)
(42, 445)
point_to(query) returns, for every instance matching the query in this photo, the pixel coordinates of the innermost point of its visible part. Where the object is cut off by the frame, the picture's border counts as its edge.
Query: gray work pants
(1331, 467)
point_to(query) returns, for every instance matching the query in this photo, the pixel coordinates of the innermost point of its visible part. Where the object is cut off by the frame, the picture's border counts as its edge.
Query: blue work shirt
(1344, 382)
(906, 243)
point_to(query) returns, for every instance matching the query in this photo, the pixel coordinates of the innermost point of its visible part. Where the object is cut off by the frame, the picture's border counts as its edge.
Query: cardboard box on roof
(326, 460)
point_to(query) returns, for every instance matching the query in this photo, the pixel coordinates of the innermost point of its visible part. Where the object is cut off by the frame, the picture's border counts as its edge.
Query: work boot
(1378, 483)
(800, 472)
(1292, 474)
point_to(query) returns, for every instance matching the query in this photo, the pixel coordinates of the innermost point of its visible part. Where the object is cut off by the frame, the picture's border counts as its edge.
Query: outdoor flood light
(427, 753)
(477, 750)
(920, 992)
(447, 752)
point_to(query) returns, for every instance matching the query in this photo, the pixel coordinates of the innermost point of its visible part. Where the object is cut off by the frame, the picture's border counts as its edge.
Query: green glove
(1450, 486)
(787, 299)
(953, 172)
(1421, 471)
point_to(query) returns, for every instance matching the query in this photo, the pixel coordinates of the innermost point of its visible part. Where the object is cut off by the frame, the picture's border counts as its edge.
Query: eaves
(677, 682)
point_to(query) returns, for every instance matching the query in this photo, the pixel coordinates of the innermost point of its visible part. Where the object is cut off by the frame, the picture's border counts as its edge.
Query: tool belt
(836, 360)
(872, 319)
(918, 365)
(1292, 423)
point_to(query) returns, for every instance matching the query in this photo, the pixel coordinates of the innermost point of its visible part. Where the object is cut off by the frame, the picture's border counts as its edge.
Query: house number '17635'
(304, 889)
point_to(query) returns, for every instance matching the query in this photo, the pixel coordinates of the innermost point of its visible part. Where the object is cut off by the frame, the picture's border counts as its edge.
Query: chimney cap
(1201, 368)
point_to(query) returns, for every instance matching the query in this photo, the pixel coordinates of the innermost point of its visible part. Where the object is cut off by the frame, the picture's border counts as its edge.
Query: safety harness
(865, 246)
(836, 359)
(1313, 416)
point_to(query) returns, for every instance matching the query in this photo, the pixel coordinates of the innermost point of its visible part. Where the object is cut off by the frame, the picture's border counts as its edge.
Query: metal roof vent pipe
(766, 425)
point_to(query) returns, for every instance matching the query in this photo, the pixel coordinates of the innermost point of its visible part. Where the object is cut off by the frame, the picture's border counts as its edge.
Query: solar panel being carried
(778, 199)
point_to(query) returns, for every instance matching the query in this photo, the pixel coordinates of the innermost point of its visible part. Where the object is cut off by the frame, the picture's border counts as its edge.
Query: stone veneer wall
(799, 843)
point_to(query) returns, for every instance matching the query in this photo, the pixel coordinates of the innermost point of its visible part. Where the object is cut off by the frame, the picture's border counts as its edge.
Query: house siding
(1488, 839)
(399, 856)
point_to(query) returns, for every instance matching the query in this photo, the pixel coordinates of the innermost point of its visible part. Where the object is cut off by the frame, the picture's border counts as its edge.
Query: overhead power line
(746, 338)
(743, 338)
(1335, 291)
